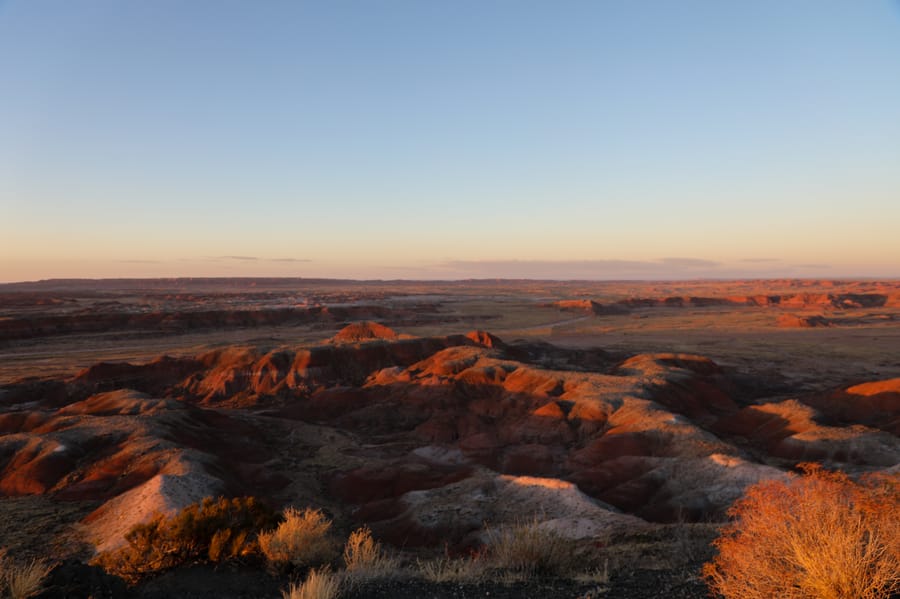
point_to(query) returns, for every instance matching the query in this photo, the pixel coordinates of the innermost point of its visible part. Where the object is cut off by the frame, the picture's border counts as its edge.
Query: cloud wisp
(253, 259)
(662, 268)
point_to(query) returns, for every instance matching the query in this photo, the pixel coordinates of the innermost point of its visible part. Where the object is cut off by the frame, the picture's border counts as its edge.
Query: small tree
(818, 536)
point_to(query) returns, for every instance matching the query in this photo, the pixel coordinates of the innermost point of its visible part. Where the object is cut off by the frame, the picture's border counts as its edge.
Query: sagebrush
(211, 530)
(365, 558)
(818, 536)
(302, 539)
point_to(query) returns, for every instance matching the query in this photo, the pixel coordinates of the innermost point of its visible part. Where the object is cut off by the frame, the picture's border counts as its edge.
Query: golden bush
(818, 536)
(319, 584)
(365, 557)
(212, 530)
(302, 539)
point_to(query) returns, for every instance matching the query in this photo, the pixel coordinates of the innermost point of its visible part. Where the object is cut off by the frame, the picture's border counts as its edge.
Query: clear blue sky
(453, 139)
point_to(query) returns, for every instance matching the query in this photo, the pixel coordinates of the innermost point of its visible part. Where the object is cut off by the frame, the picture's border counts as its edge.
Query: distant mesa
(795, 321)
(811, 301)
(589, 306)
(364, 331)
(575, 305)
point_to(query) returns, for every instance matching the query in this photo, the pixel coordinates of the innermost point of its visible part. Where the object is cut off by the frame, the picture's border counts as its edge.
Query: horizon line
(849, 278)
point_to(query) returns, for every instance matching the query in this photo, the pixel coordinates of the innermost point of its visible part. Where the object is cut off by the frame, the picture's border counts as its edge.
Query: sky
(463, 139)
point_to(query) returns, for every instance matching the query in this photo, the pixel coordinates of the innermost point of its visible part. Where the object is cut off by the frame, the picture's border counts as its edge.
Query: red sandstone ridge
(364, 331)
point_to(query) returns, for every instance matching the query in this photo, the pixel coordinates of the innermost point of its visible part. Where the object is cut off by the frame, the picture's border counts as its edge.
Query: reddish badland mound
(525, 420)
(138, 453)
(875, 404)
(796, 432)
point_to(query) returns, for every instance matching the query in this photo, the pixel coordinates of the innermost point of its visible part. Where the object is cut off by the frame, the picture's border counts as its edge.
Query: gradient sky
(430, 139)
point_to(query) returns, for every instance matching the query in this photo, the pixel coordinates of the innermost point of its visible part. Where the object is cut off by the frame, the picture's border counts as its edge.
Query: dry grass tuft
(21, 581)
(365, 558)
(448, 569)
(599, 575)
(302, 539)
(319, 584)
(526, 549)
(820, 536)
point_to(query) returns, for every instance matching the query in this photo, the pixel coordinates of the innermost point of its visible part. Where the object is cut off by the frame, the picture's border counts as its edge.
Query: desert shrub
(211, 530)
(20, 581)
(526, 549)
(302, 539)
(820, 535)
(319, 584)
(364, 557)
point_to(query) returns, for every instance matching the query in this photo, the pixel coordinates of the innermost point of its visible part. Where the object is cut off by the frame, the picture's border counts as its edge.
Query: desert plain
(625, 416)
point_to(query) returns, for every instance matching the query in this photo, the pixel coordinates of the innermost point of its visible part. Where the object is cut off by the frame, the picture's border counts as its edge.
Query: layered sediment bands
(792, 301)
(96, 321)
